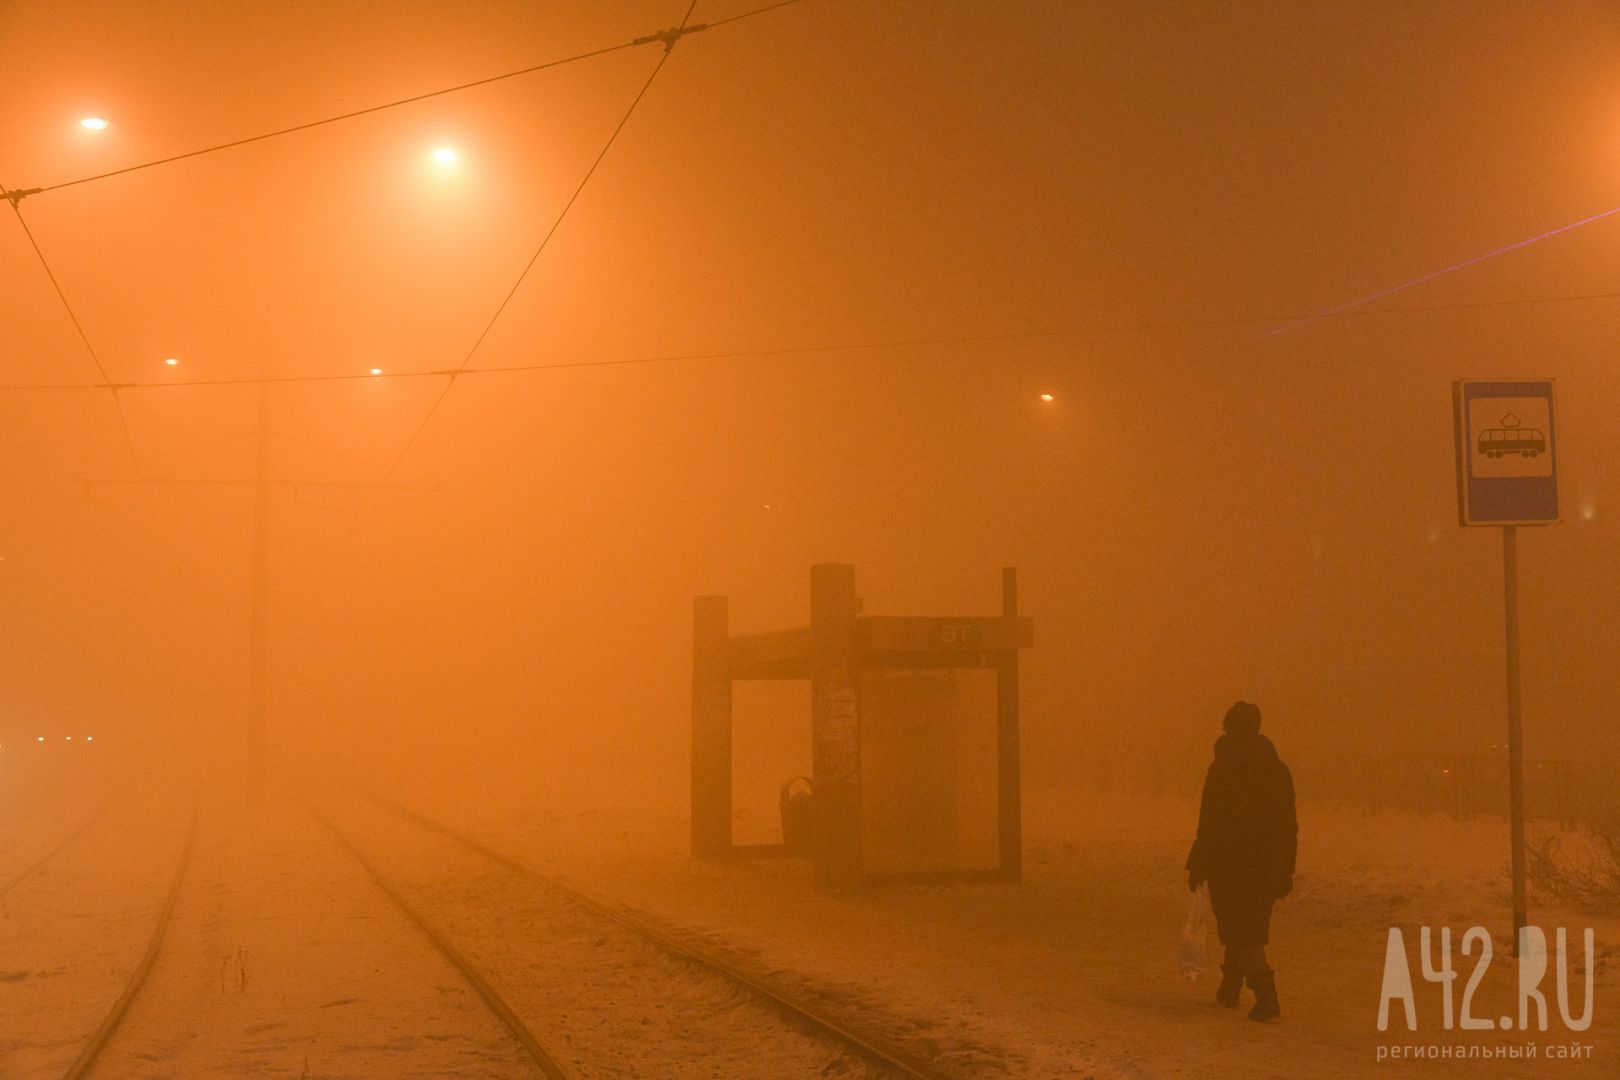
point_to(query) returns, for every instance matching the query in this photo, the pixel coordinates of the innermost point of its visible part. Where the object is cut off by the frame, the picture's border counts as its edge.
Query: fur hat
(1242, 718)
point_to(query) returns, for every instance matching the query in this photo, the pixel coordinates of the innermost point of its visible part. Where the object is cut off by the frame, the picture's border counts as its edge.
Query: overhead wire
(15, 195)
(669, 38)
(308, 125)
(246, 481)
(60, 295)
(1146, 326)
(745, 15)
(327, 451)
(669, 47)
(39, 253)
(200, 444)
(1442, 272)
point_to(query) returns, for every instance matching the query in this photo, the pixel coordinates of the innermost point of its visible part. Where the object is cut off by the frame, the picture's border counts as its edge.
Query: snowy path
(1071, 974)
(285, 960)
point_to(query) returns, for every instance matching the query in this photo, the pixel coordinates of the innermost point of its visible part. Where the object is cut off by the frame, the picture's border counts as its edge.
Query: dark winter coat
(1247, 831)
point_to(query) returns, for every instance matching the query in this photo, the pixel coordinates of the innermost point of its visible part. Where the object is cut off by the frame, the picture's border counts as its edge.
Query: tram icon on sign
(1511, 440)
(1507, 451)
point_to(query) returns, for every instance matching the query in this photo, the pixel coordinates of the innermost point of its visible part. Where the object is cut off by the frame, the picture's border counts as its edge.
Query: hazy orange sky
(1111, 203)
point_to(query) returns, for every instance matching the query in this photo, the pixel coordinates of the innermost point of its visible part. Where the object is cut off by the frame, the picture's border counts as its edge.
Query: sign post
(1507, 476)
(1510, 592)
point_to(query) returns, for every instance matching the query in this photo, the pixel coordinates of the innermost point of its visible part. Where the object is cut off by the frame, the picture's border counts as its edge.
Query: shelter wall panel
(928, 770)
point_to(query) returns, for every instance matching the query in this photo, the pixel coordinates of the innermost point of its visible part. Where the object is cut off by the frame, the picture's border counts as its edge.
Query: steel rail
(874, 1048)
(115, 1016)
(18, 878)
(469, 971)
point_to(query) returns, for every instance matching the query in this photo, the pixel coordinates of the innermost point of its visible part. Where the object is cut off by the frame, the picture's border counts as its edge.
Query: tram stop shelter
(913, 728)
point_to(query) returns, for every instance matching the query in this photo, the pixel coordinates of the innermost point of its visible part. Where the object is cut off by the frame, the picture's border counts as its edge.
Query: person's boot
(1231, 987)
(1264, 984)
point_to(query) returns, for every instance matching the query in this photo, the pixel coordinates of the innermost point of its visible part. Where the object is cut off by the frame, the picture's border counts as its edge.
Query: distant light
(172, 362)
(1589, 510)
(69, 738)
(444, 155)
(89, 738)
(1046, 397)
(42, 738)
(376, 371)
(94, 123)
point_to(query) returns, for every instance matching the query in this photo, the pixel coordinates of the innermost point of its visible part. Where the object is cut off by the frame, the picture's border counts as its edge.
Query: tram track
(574, 980)
(39, 863)
(109, 1025)
(878, 1052)
(497, 1005)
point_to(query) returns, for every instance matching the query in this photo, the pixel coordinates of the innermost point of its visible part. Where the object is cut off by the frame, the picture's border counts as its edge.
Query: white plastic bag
(1192, 952)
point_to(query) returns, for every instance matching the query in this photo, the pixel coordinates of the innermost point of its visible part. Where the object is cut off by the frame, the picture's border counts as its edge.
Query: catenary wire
(60, 295)
(118, 406)
(450, 381)
(17, 194)
(310, 124)
(745, 14)
(800, 350)
(1442, 272)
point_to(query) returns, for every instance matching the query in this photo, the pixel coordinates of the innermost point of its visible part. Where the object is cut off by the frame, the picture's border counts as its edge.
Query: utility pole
(255, 728)
(259, 617)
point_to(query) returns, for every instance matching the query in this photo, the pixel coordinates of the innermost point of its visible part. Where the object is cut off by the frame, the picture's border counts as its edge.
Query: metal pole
(1510, 575)
(1009, 783)
(259, 624)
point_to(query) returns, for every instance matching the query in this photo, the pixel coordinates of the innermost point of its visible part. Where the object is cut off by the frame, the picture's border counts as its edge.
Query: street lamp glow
(171, 362)
(444, 155)
(93, 123)
(376, 371)
(1046, 397)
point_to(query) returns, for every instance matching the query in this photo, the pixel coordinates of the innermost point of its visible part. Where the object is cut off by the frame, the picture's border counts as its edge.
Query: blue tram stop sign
(1507, 461)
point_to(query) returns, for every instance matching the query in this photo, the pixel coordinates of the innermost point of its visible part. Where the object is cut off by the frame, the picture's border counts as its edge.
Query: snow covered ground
(284, 960)
(1072, 974)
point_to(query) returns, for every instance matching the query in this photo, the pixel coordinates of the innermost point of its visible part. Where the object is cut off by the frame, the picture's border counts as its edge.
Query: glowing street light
(376, 371)
(171, 362)
(1046, 397)
(93, 123)
(444, 155)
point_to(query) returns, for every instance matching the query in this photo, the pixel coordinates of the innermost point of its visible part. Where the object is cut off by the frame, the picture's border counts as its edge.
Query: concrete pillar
(835, 732)
(1010, 800)
(711, 727)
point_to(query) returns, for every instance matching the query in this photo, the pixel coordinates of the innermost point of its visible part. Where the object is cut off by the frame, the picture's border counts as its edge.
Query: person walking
(1245, 850)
